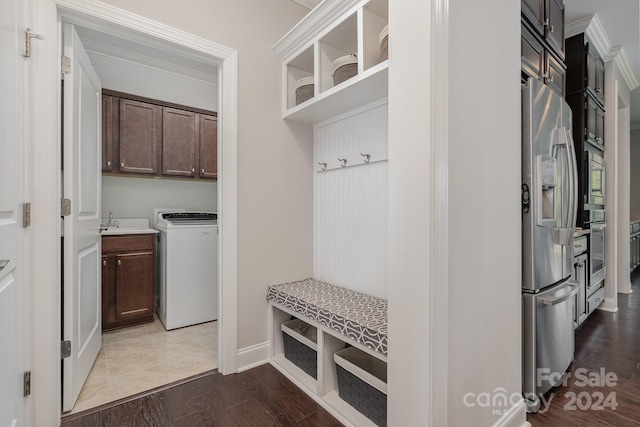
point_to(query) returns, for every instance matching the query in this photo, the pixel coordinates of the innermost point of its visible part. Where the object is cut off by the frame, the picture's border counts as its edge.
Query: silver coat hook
(367, 157)
(323, 166)
(343, 162)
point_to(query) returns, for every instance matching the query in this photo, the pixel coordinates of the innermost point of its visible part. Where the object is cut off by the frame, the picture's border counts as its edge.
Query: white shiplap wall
(351, 203)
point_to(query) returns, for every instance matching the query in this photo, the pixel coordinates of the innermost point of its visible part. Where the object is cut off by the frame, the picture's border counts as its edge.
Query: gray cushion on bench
(359, 316)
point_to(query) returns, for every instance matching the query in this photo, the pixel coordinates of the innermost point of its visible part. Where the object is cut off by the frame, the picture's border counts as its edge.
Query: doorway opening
(203, 66)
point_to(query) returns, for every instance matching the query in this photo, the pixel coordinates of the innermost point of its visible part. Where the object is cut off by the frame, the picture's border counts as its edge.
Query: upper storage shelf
(334, 60)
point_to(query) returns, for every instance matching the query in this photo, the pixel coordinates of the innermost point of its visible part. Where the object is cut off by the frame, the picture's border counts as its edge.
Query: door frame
(47, 16)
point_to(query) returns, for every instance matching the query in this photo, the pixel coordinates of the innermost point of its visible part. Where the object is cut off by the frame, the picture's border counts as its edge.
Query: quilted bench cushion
(359, 316)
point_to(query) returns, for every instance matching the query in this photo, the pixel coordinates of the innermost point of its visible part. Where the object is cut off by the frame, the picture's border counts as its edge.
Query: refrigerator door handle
(573, 177)
(561, 298)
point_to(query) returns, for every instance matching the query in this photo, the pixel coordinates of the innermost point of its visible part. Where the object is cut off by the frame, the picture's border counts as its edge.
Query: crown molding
(311, 26)
(597, 36)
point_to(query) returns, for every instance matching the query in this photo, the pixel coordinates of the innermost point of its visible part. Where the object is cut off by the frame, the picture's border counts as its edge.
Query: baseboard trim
(609, 304)
(514, 417)
(252, 356)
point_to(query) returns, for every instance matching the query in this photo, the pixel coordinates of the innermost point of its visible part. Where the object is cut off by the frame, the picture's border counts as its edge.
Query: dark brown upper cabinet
(107, 133)
(595, 74)
(179, 142)
(547, 18)
(585, 68)
(139, 137)
(540, 63)
(156, 138)
(208, 146)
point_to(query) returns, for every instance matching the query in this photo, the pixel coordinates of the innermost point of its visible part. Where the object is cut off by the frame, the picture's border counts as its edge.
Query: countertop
(124, 226)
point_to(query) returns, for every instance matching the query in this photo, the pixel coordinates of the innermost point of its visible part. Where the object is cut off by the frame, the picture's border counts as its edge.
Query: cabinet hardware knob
(104, 263)
(598, 89)
(193, 170)
(109, 163)
(202, 171)
(119, 262)
(122, 164)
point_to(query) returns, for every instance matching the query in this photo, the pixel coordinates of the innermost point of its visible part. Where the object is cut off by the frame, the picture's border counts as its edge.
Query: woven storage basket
(299, 340)
(383, 41)
(304, 89)
(344, 68)
(362, 383)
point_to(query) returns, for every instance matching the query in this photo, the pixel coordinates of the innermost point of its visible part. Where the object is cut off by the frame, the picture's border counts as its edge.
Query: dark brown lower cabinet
(128, 280)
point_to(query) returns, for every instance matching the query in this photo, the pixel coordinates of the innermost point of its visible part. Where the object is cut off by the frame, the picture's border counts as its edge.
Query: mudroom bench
(325, 319)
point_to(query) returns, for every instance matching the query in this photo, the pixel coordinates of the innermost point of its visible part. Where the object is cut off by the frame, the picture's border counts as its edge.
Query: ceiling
(621, 22)
(145, 51)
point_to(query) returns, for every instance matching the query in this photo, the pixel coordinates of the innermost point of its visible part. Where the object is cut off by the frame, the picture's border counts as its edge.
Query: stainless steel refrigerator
(549, 201)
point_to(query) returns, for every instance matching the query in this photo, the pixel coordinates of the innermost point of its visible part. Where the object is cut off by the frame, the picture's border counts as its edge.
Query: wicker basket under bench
(345, 347)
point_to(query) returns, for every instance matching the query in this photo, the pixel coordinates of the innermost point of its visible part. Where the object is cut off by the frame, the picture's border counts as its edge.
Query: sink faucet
(110, 223)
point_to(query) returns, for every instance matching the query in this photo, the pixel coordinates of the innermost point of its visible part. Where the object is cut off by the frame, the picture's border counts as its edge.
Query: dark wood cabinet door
(128, 280)
(134, 284)
(554, 26)
(208, 146)
(139, 137)
(532, 54)
(591, 58)
(107, 133)
(178, 142)
(533, 10)
(595, 123)
(599, 81)
(555, 75)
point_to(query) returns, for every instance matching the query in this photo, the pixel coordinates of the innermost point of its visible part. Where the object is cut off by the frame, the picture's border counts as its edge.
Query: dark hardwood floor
(258, 397)
(606, 343)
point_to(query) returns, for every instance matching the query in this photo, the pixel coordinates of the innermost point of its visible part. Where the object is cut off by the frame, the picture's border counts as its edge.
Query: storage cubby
(298, 68)
(329, 32)
(337, 43)
(329, 342)
(375, 17)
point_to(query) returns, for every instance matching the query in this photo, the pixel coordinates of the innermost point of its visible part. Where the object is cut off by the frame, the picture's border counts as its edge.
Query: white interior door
(82, 186)
(12, 322)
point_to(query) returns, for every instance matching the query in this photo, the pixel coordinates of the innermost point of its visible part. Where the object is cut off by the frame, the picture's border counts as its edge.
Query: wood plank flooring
(258, 397)
(264, 397)
(608, 342)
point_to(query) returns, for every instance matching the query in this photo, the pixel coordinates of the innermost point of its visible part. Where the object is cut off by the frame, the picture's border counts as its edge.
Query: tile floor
(139, 358)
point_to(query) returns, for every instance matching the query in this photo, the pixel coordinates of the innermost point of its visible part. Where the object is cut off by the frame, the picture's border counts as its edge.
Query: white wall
(275, 180)
(634, 208)
(144, 80)
(485, 217)
(137, 197)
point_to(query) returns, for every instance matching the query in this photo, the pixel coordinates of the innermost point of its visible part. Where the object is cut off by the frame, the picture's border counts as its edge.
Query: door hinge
(28, 35)
(65, 207)
(27, 383)
(65, 349)
(65, 64)
(26, 214)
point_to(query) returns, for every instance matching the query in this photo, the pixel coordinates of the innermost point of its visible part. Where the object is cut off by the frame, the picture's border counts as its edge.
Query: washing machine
(188, 268)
